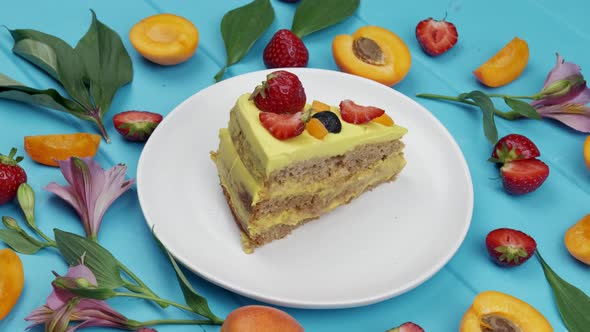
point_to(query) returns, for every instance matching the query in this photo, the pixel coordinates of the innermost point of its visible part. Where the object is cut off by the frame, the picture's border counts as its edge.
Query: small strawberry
(407, 327)
(436, 37)
(510, 247)
(514, 147)
(11, 176)
(282, 92)
(284, 126)
(136, 125)
(357, 114)
(523, 176)
(285, 49)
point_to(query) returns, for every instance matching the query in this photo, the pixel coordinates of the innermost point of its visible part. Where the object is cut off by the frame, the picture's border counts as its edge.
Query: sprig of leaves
(313, 15)
(91, 73)
(573, 304)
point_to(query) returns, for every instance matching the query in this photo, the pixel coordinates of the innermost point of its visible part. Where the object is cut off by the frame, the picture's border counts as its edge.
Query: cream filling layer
(272, 154)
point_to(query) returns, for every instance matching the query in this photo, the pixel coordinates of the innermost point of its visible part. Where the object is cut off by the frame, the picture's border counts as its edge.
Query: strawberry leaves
(91, 73)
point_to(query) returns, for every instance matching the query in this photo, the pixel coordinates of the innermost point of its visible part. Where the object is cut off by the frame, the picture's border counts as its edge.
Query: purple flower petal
(82, 271)
(39, 316)
(575, 116)
(562, 70)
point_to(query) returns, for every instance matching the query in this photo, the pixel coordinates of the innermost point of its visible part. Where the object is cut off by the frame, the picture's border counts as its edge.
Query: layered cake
(283, 162)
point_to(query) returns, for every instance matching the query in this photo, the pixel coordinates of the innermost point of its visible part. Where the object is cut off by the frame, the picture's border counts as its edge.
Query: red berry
(285, 49)
(510, 247)
(513, 147)
(357, 114)
(436, 37)
(11, 176)
(283, 126)
(523, 176)
(282, 92)
(136, 125)
(407, 327)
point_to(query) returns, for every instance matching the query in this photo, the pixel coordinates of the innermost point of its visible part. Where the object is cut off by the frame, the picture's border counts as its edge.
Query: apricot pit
(374, 53)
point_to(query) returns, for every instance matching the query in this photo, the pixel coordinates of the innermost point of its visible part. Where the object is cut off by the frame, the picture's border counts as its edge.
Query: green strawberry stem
(510, 115)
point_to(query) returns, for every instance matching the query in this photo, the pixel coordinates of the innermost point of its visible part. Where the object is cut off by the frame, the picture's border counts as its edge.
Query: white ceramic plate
(382, 244)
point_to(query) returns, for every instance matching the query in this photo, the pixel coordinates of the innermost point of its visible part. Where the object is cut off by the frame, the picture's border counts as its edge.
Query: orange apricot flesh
(257, 318)
(318, 106)
(165, 39)
(47, 149)
(577, 240)
(12, 279)
(586, 151)
(374, 53)
(316, 128)
(385, 120)
(491, 309)
(506, 65)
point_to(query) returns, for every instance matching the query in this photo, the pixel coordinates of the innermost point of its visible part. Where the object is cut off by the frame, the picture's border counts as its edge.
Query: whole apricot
(165, 39)
(258, 318)
(373, 52)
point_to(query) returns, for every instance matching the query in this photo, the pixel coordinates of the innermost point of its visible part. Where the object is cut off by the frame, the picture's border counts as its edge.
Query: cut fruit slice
(47, 149)
(577, 240)
(506, 65)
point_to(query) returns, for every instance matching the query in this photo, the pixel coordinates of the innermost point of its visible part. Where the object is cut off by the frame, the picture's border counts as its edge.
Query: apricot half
(258, 318)
(373, 52)
(577, 240)
(165, 39)
(47, 149)
(506, 65)
(498, 312)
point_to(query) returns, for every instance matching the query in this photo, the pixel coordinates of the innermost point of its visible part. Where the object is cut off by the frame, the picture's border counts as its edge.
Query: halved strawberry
(436, 37)
(510, 247)
(513, 147)
(136, 125)
(357, 114)
(407, 327)
(523, 176)
(283, 126)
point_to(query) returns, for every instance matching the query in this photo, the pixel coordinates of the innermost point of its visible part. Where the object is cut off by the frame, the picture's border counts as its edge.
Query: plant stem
(507, 96)
(50, 242)
(510, 115)
(156, 299)
(180, 322)
(145, 288)
(103, 131)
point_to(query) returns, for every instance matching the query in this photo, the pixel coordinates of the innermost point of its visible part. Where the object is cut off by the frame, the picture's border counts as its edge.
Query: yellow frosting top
(275, 154)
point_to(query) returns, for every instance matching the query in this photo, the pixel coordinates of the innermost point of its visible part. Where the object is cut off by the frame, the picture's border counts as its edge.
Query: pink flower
(564, 96)
(92, 190)
(63, 307)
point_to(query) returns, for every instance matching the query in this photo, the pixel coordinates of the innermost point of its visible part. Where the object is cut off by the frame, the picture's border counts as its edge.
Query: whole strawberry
(11, 176)
(285, 49)
(514, 147)
(510, 247)
(523, 176)
(282, 92)
(136, 125)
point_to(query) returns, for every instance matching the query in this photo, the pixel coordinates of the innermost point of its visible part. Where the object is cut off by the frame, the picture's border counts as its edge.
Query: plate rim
(424, 276)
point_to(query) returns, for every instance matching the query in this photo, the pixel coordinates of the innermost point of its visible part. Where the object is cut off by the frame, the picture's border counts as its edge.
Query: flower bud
(26, 199)
(562, 87)
(10, 223)
(83, 283)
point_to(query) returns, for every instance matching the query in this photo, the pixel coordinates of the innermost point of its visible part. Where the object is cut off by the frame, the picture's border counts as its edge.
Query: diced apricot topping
(12, 279)
(385, 120)
(506, 65)
(316, 128)
(46, 149)
(318, 106)
(577, 240)
(165, 39)
(498, 312)
(373, 52)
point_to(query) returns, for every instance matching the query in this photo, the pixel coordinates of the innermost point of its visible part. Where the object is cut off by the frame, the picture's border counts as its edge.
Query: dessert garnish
(316, 128)
(284, 126)
(436, 37)
(351, 112)
(330, 121)
(281, 92)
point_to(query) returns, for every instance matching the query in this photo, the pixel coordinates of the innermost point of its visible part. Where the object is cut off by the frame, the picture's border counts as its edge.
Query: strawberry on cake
(283, 162)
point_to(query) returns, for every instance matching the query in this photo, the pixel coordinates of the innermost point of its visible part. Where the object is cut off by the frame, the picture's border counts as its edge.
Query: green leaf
(522, 108)
(50, 98)
(56, 58)
(108, 65)
(241, 27)
(99, 260)
(18, 242)
(572, 303)
(314, 15)
(196, 302)
(487, 107)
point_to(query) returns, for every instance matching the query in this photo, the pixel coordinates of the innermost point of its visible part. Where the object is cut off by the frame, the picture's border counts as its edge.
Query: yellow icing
(274, 154)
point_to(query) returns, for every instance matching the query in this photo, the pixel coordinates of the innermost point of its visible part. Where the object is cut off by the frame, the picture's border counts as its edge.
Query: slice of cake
(279, 170)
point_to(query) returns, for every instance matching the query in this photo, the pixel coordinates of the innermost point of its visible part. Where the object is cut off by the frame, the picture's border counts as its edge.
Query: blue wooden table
(438, 305)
